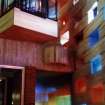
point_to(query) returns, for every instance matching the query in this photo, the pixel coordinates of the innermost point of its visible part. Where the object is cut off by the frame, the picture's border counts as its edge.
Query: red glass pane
(97, 93)
(80, 85)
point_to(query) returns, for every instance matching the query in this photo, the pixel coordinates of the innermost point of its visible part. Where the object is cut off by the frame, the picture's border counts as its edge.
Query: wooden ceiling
(22, 34)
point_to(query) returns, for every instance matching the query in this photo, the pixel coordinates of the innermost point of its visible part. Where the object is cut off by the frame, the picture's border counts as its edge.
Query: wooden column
(29, 90)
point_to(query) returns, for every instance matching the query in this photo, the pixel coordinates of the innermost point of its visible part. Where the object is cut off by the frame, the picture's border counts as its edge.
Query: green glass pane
(67, 100)
(63, 100)
(59, 100)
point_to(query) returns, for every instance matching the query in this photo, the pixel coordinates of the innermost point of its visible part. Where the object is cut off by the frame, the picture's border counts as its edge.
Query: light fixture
(64, 38)
(0, 80)
(64, 23)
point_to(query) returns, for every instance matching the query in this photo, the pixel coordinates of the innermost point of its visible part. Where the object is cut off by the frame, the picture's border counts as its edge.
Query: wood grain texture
(85, 53)
(6, 21)
(21, 53)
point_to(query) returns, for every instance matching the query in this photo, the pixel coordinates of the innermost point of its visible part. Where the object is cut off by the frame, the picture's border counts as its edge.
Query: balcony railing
(42, 8)
(5, 6)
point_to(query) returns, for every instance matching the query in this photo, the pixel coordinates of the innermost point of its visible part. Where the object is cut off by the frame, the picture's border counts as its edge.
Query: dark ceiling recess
(55, 79)
(22, 34)
(79, 37)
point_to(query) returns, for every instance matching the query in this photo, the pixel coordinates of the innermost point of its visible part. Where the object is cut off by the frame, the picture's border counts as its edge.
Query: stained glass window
(93, 38)
(97, 93)
(96, 64)
(93, 12)
(80, 85)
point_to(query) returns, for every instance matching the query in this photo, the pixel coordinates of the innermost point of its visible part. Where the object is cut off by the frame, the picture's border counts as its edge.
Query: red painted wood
(21, 53)
(30, 79)
(22, 34)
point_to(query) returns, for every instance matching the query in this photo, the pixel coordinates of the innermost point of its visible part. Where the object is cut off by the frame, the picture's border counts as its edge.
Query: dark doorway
(10, 86)
(2, 83)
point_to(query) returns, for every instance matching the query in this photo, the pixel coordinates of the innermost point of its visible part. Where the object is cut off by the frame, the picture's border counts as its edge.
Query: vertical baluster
(5, 8)
(0, 7)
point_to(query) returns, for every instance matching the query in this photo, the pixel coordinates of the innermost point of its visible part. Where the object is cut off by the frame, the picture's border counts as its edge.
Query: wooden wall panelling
(82, 71)
(77, 15)
(26, 54)
(96, 23)
(88, 6)
(1, 51)
(30, 82)
(88, 53)
(6, 21)
(90, 3)
(55, 54)
(61, 55)
(98, 49)
(80, 25)
(83, 46)
(101, 4)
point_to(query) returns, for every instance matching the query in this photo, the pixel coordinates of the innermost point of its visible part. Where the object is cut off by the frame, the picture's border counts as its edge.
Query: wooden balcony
(20, 25)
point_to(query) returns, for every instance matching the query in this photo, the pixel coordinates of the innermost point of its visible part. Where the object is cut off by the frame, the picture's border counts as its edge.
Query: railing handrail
(44, 9)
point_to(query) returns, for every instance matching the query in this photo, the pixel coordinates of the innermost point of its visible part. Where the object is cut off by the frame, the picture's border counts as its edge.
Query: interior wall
(25, 54)
(89, 77)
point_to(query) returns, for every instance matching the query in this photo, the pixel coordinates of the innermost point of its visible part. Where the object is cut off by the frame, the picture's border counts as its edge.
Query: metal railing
(42, 8)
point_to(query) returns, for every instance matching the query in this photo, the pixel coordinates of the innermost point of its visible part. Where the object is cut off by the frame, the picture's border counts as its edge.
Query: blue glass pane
(41, 94)
(93, 38)
(51, 89)
(95, 12)
(52, 11)
(96, 64)
(32, 6)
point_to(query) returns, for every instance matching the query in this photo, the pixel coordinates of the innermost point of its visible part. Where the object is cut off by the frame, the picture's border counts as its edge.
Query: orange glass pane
(97, 93)
(80, 85)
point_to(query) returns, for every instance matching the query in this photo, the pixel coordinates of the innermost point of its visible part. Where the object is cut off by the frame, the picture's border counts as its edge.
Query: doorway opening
(11, 85)
(53, 88)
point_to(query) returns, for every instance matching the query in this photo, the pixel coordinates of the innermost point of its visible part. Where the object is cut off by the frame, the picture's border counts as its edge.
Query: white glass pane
(91, 12)
(90, 16)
